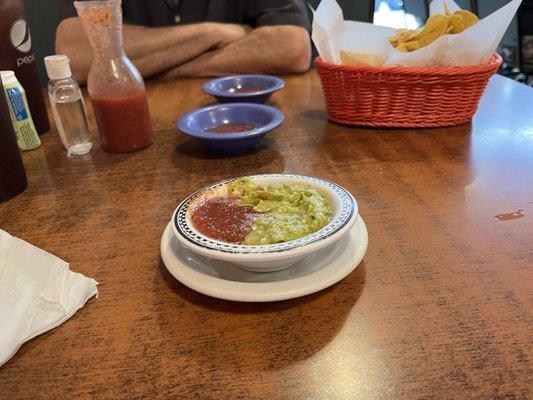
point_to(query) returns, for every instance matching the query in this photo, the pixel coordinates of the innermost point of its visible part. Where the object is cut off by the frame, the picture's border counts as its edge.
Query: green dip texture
(288, 212)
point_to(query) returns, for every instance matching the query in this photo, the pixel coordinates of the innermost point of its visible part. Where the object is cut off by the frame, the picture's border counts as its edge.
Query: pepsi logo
(20, 36)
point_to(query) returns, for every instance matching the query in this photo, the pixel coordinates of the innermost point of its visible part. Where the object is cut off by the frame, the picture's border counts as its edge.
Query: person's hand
(230, 33)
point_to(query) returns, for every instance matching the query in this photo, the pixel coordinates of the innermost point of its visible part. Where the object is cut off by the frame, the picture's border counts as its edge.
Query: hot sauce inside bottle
(115, 86)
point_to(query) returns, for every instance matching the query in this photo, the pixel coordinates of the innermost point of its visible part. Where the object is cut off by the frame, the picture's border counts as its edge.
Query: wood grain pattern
(439, 308)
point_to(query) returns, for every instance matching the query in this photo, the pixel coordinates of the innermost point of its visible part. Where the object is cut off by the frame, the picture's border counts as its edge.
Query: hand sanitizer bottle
(67, 105)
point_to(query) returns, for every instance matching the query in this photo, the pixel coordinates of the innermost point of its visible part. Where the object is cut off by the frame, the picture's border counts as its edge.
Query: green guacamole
(287, 212)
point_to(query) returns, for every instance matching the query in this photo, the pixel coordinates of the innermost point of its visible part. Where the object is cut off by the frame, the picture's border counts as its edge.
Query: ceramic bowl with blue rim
(271, 257)
(243, 88)
(231, 128)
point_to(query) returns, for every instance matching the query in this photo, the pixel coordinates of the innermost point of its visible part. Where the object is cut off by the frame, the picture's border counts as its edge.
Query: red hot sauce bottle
(115, 86)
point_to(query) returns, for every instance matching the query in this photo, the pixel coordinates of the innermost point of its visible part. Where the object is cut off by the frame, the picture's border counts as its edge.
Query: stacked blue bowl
(240, 122)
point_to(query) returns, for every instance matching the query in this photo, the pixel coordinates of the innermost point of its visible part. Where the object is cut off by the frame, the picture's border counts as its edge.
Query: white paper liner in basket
(473, 46)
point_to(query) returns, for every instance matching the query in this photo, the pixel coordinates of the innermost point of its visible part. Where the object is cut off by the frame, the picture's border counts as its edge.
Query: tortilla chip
(436, 26)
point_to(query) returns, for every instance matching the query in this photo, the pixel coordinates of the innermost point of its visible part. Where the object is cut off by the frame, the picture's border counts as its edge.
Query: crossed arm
(269, 49)
(203, 49)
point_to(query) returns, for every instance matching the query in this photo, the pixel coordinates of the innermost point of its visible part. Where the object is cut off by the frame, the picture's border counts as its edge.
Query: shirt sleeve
(278, 12)
(65, 9)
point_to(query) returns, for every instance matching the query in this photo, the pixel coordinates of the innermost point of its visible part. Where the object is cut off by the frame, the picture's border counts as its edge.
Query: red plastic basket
(403, 97)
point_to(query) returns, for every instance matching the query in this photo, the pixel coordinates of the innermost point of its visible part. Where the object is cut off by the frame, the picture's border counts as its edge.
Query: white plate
(223, 280)
(269, 257)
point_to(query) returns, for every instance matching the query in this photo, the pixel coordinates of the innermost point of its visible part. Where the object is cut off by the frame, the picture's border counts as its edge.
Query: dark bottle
(12, 174)
(16, 54)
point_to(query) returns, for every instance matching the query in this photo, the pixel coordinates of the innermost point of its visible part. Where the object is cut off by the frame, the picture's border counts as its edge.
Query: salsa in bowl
(231, 128)
(264, 222)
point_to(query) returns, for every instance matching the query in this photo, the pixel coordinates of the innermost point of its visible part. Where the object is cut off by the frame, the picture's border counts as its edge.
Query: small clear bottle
(67, 105)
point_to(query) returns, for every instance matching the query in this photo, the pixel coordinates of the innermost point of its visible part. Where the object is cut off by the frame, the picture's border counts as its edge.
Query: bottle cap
(8, 77)
(57, 67)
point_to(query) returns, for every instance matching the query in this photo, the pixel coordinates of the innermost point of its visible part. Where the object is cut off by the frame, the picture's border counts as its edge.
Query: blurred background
(516, 47)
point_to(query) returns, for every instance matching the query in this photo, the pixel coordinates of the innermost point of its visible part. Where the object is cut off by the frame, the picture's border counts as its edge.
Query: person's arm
(152, 50)
(268, 49)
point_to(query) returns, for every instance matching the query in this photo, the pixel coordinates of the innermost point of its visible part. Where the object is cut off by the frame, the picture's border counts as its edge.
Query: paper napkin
(37, 293)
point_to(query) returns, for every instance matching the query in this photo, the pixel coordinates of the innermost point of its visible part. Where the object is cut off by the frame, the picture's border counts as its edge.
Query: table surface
(440, 307)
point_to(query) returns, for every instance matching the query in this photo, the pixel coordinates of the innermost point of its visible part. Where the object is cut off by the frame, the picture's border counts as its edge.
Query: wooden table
(439, 308)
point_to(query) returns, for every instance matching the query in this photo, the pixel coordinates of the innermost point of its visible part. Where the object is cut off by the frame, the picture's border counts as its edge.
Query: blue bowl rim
(278, 118)
(278, 84)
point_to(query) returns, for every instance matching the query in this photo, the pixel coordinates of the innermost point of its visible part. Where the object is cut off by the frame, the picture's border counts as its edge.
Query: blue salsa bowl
(243, 88)
(196, 124)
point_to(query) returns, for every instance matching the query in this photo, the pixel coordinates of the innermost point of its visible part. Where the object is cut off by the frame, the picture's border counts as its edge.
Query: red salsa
(231, 128)
(221, 218)
(124, 122)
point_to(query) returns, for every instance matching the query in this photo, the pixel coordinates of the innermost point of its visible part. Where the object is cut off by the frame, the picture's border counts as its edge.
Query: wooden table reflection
(439, 308)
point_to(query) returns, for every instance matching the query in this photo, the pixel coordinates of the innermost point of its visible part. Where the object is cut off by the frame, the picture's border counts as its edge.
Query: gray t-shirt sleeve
(278, 12)
(65, 9)
(257, 12)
